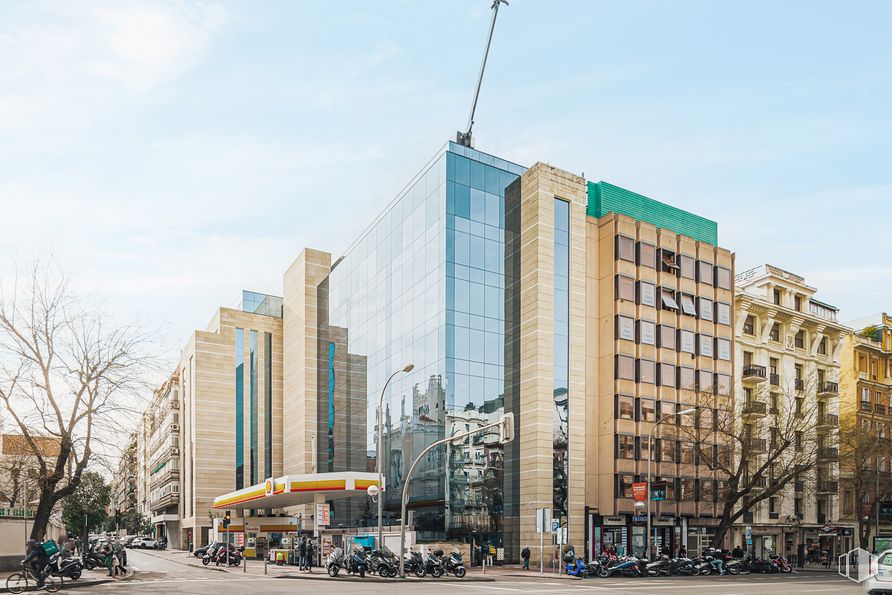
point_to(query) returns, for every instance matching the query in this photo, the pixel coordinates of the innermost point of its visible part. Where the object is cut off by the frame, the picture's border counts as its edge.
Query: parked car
(144, 543)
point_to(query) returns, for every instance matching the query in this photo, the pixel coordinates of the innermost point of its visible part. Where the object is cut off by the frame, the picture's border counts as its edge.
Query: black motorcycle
(93, 559)
(413, 563)
(383, 562)
(433, 563)
(357, 562)
(67, 567)
(454, 564)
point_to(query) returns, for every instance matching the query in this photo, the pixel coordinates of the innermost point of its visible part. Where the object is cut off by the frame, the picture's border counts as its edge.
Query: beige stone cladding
(208, 387)
(539, 187)
(619, 287)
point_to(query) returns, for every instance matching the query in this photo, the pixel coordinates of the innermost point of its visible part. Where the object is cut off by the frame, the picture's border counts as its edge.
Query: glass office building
(425, 284)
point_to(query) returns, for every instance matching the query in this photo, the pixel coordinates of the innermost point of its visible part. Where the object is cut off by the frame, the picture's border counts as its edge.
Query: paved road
(161, 575)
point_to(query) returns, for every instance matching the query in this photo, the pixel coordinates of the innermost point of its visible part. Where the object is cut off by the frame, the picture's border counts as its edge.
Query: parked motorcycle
(629, 566)
(413, 563)
(661, 567)
(335, 561)
(357, 563)
(454, 564)
(93, 559)
(575, 566)
(383, 562)
(211, 554)
(66, 568)
(433, 565)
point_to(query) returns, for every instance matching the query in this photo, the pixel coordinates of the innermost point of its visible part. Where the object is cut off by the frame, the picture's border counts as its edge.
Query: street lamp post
(650, 454)
(407, 368)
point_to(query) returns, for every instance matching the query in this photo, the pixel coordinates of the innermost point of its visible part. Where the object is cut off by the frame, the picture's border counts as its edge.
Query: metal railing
(754, 371)
(828, 419)
(754, 407)
(755, 445)
(828, 388)
(828, 453)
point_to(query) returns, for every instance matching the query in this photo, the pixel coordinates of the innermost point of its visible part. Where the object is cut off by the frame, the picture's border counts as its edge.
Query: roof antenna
(464, 138)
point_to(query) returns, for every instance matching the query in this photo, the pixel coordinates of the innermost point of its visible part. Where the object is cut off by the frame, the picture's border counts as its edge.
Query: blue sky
(170, 154)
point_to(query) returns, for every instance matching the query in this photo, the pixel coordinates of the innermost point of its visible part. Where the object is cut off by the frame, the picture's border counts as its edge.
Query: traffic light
(226, 518)
(506, 430)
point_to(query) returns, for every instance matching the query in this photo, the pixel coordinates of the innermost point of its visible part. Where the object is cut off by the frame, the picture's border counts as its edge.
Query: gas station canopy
(292, 490)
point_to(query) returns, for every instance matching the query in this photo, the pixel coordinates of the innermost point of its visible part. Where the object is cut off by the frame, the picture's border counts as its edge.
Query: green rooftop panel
(604, 198)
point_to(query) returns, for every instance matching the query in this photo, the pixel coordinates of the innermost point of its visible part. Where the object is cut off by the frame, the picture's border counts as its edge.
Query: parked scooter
(575, 566)
(335, 561)
(93, 559)
(67, 568)
(629, 566)
(383, 562)
(211, 554)
(358, 562)
(413, 563)
(433, 565)
(454, 564)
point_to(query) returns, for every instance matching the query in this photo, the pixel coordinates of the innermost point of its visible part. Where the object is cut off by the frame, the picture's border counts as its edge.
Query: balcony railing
(867, 406)
(754, 373)
(755, 446)
(881, 408)
(828, 388)
(828, 487)
(754, 408)
(828, 453)
(828, 419)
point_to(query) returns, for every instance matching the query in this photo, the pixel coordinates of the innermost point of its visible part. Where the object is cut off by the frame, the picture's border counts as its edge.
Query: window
(625, 328)
(686, 378)
(704, 272)
(723, 385)
(797, 506)
(625, 288)
(774, 333)
(624, 486)
(749, 325)
(704, 380)
(707, 490)
(772, 505)
(800, 340)
(686, 454)
(667, 337)
(688, 267)
(723, 313)
(723, 349)
(705, 345)
(705, 308)
(822, 346)
(625, 447)
(667, 299)
(667, 408)
(625, 407)
(798, 371)
(687, 304)
(666, 375)
(643, 454)
(647, 293)
(667, 261)
(705, 419)
(625, 248)
(625, 367)
(667, 450)
(776, 296)
(797, 303)
(647, 332)
(670, 489)
(722, 278)
(686, 341)
(647, 410)
(647, 255)
(647, 371)
(687, 489)
(799, 439)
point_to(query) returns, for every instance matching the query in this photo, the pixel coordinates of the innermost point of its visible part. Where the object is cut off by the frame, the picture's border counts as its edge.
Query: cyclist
(37, 559)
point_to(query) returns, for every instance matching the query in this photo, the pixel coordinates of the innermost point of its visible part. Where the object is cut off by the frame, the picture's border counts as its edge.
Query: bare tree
(864, 449)
(756, 447)
(18, 473)
(66, 375)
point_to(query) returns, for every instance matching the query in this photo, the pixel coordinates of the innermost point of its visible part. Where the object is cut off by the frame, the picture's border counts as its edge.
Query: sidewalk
(256, 568)
(90, 578)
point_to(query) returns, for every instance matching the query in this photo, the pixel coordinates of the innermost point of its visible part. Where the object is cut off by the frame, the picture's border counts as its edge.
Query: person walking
(525, 554)
(302, 553)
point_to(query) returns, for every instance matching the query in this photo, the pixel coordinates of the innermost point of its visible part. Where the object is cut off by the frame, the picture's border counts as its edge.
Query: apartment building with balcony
(162, 420)
(788, 347)
(865, 391)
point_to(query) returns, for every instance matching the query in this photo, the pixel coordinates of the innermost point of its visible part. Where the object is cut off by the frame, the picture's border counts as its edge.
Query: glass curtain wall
(423, 285)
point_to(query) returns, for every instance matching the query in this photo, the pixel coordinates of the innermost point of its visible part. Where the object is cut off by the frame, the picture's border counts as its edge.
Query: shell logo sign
(268, 487)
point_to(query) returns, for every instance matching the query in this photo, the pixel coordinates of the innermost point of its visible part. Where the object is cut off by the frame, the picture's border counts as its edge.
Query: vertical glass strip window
(561, 353)
(239, 408)
(331, 408)
(268, 404)
(253, 405)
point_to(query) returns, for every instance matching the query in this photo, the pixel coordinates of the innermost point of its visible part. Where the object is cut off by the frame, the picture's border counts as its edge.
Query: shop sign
(251, 528)
(614, 521)
(323, 515)
(866, 508)
(658, 490)
(639, 518)
(828, 528)
(639, 491)
(846, 531)
(663, 522)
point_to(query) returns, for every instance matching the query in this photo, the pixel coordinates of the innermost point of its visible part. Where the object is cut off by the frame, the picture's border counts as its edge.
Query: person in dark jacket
(525, 554)
(37, 559)
(302, 553)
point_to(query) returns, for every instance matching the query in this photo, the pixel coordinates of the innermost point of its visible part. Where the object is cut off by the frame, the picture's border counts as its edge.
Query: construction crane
(464, 138)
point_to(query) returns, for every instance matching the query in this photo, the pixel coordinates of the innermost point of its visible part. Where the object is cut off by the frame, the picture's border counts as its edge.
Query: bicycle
(19, 582)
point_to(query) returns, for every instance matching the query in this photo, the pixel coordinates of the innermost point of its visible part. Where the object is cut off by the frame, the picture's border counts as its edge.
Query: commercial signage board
(323, 515)
(543, 520)
(639, 491)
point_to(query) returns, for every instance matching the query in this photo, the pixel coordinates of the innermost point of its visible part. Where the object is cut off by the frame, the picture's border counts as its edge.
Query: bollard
(265, 561)
(245, 564)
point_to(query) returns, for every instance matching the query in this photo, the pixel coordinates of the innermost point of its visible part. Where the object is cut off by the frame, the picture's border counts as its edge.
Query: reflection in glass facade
(425, 284)
(252, 404)
(268, 404)
(239, 408)
(261, 303)
(561, 354)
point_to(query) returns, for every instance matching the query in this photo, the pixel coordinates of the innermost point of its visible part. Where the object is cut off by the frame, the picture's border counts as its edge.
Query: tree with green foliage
(90, 499)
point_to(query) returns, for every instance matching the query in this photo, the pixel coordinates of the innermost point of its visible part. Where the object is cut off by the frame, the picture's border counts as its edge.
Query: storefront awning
(293, 490)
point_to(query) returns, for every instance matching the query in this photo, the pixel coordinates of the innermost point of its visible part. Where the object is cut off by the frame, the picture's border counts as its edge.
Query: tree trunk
(44, 510)
(864, 535)
(722, 529)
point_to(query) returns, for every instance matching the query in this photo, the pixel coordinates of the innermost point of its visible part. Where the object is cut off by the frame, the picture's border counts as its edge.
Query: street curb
(175, 561)
(376, 579)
